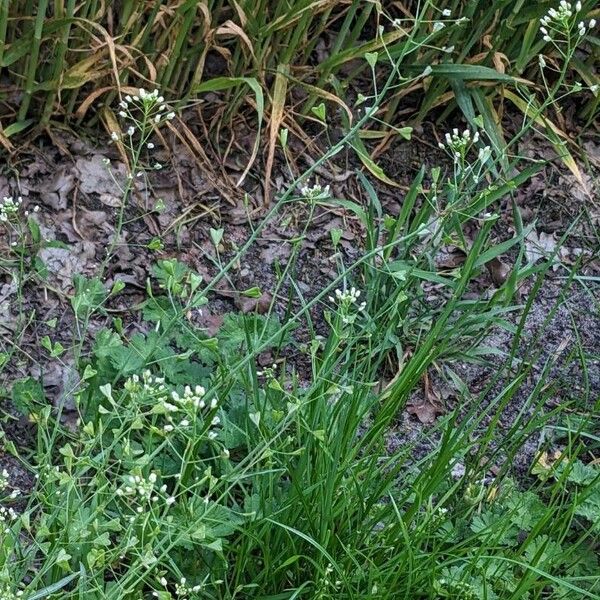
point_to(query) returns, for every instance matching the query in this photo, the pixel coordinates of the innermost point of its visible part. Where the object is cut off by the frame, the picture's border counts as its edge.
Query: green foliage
(189, 471)
(189, 462)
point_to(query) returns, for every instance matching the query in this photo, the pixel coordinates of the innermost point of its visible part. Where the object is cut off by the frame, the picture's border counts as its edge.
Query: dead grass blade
(277, 109)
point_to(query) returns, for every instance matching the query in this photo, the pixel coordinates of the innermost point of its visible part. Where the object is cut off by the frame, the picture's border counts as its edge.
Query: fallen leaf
(97, 178)
(260, 305)
(63, 263)
(539, 245)
(427, 408)
(498, 271)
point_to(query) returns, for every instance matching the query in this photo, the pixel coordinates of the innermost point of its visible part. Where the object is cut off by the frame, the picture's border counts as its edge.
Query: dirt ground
(78, 201)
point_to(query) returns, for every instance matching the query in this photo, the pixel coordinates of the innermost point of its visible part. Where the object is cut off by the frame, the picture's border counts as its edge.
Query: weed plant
(194, 473)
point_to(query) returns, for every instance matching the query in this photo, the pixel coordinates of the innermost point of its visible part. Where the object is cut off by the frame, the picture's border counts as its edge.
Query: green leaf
(17, 127)
(371, 58)
(48, 591)
(62, 559)
(501, 248)
(26, 394)
(319, 112)
(89, 295)
(253, 292)
(375, 169)
(34, 230)
(155, 244)
(468, 72)
(216, 235)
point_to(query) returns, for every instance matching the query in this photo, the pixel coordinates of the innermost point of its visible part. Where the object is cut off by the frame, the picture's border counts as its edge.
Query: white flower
(123, 114)
(315, 192)
(149, 145)
(458, 144)
(170, 500)
(438, 26)
(171, 116)
(130, 131)
(484, 153)
(114, 136)
(447, 12)
(592, 23)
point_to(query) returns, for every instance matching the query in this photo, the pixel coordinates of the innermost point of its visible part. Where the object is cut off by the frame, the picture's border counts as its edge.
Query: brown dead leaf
(63, 263)
(498, 271)
(260, 305)
(277, 109)
(539, 245)
(426, 409)
(95, 178)
(449, 257)
(210, 323)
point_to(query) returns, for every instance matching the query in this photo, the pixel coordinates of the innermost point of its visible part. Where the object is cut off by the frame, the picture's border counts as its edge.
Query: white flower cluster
(315, 192)
(459, 144)
(146, 383)
(557, 22)
(182, 589)
(4, 479)
(190, 402)
(144, 490)
(268, 372)
(347, 302)
(9, 207)
(152, 109)
(7, 516)
(188, 405)
(6, 593)
(4, 483)
(346, 297)
(192, 398)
